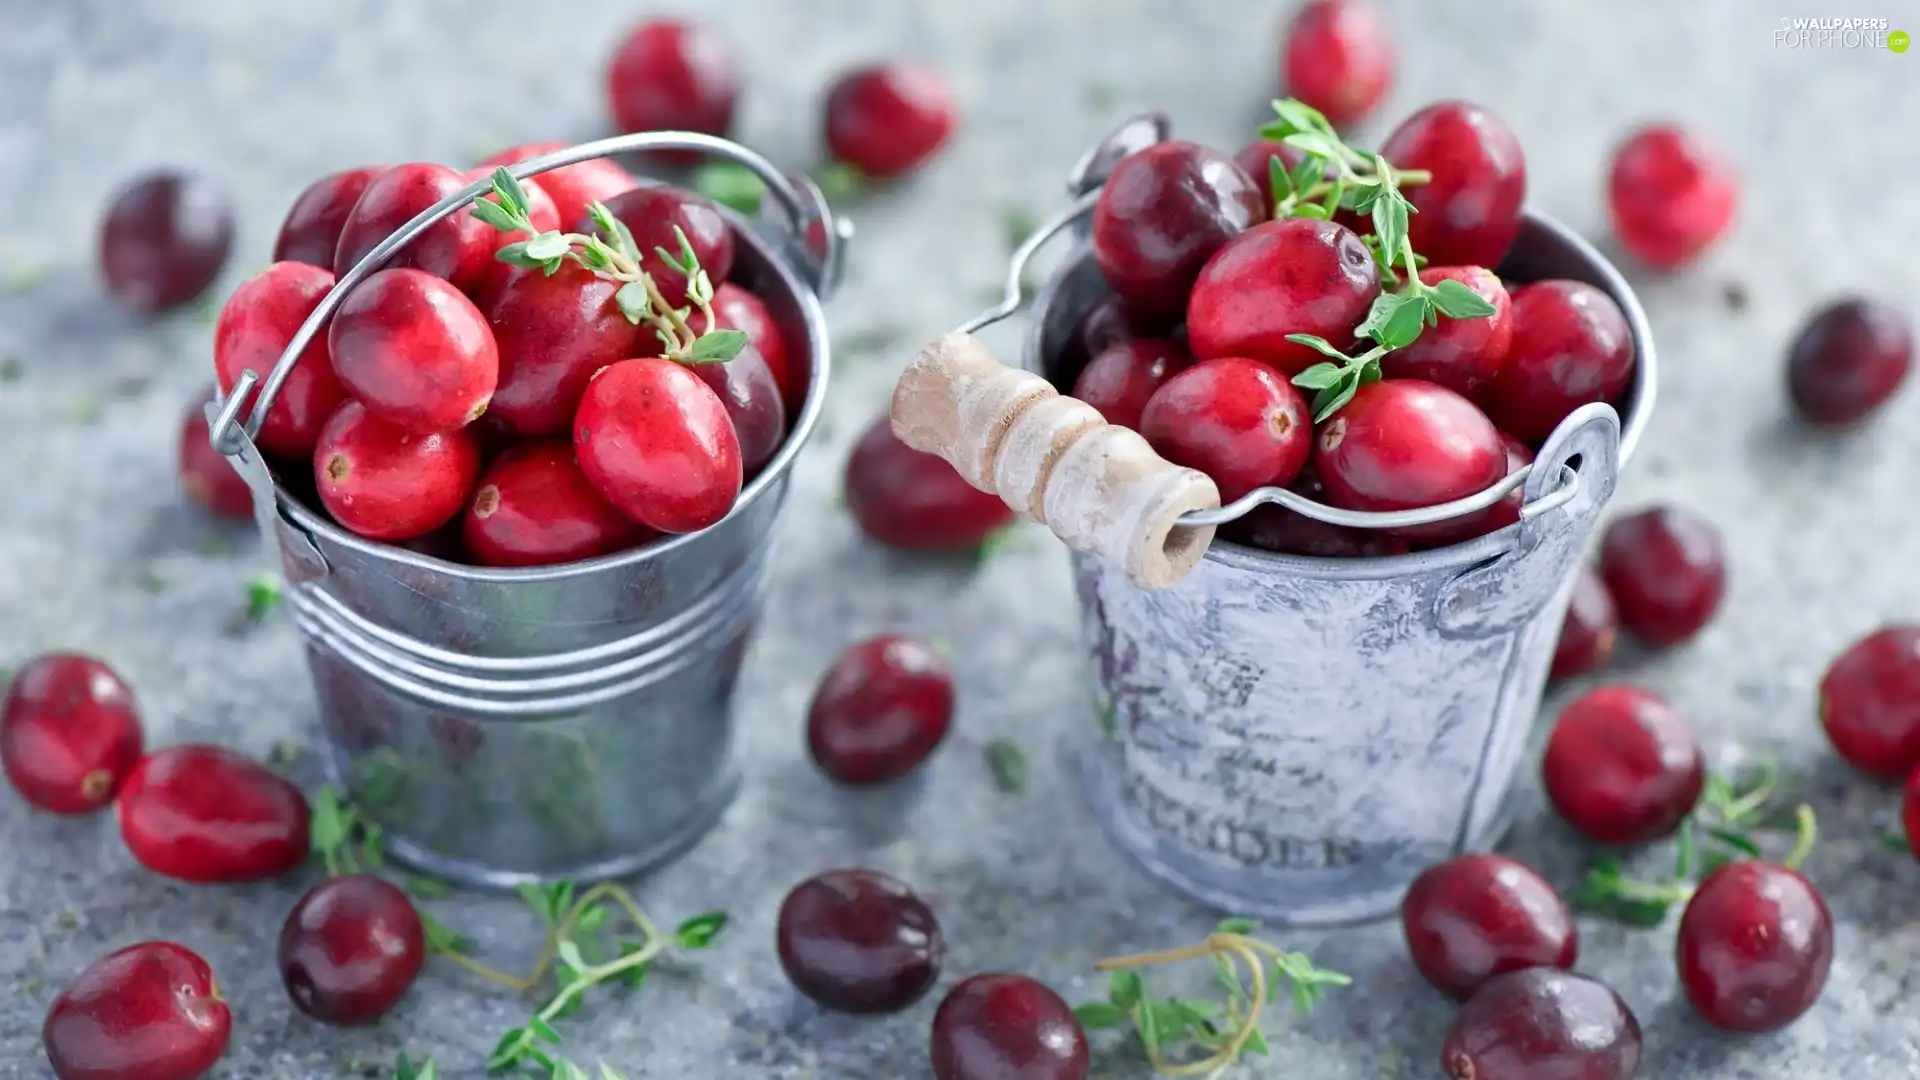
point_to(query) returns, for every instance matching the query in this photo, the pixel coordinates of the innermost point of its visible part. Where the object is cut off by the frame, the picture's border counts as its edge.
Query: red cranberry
(1338, 58)
(734, 308)
(1503, 513)
(1278, 529)
(1401, 444)
(255, 326)
(1910, 811)
(915, 501)
(311, 232)
(1539, 1023)
(1163, 213)
(1462, 355)
(1469, 212)
(674, 75)
(1111, 322)
(1291, 276)
(571, 187)
(745, 385)
(1256, 159)
(1666, 570)
(652, 214)
(1671, 194)
(150, 1011)
(1870, 702)
(1754, 947)
(1623, 766)
(387, 483)
(459, 247)
(414, 351)
(1476, 916)
(1119, 381)
(350, 948)
(1588, 631)
(859, 941)
(206, 814)
(1235, 420)
(552, 333)
(1570, 347)
(658, 444)
(210, 478)
(164, 240)
(1850, 357)
(1006, 1027)
(69, 733)
(534, 507)
(883, 706)
(887, 119)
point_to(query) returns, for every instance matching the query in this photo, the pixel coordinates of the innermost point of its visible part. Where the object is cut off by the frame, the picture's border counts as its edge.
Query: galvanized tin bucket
(512, 726)
(1284, 737)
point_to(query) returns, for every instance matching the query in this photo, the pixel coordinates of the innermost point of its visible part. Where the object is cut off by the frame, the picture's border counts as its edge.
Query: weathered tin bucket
(1284, 737)
(511, 726)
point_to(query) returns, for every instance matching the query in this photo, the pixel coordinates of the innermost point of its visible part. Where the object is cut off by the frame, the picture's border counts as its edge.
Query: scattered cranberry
(1754, 947)
(1291, 276)
(887, 119)
(1469, 212)
(534, 507)
(164, 240)
(883, 706)
(1666, 571)
(1476, 916)
(1006, 1027)
(1570, 347)
(459, 247)
(1402, 444)
(255, 326)
(734, 308)
(150, 1011)
(414, 351)
(915, 501)
(658, 444)
(1280, 530)
(1119, 381)
(1338, 58)
(1850, 357)
(746, 386)
(1235, 420)
(1870, 702)
(1623, 766)
(571, 187)
(1671, 194)
(674, 75)
(1910, 811)
(1588, 632)
(652, 214)
(1539, 1023)
(311, 232)
(1462, 355)
(69, 733)
(206, 814)
(350, 948)
(1163, 213)
(859, 941)
(210, 478)
(387, 483)
(552, 334)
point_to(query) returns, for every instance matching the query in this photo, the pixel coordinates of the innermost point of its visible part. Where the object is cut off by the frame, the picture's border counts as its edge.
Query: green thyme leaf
(1279, 181)
(510, 195)
(1314, 143)
(718, 346)
(441, 939)
(495, 215)
(548, 246)
(1334, 398)
(428, 888)
(1097, 1015)
(543, 1031)
(327, 825)
(731, 185)
(509, 1050)
(1145, 1023)
(1320, 345)
(838, 180)
(1389, 214)
(1311, 210)
(1739, 842)
(699, 931)
(1008, 763)
(1308, 172)
(1895, 841)
(515, 254)
(1319, 376)
(1456, 300)
(1404, 325)
(405, 1069)
(634, 303)
(1237, 925)
(1300, 116)
(263, 596)
(1124, 989)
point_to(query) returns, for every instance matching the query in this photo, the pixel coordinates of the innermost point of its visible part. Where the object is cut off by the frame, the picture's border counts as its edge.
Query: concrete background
(98, 550)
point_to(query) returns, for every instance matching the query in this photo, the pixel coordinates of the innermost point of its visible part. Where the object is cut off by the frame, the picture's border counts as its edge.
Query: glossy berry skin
(150, 1011)
(384, 482)
(1848, 360)
(1119, 381)
(1667, 571)
(1542, 1024)
(1234, 419)
(888, 119)
(1476, 916)
(745, 385)
(915, 501)
(1570, 347)
(1401, 444)
(571, 187)
(350, 948)
(208, 477)
(1469, 213)
(881, 708)
(1671, 195)
(1754, 948)
(656, 442)
(859, 941)
(734, 308)
(69, 733)
(999, 1026)
(1870, 702)
(1589, 630)
(1162, 214)
(458, 248)
(552, 334)
(534, 507)
(255, 327)
(164, 240)
(1291, 276)
(1462, 355)
(206, 814)
(1284, 532)
(674, 75)
(414, 351)
(311, 232)
(651, 213)
(1623, 766)
(1338, 58)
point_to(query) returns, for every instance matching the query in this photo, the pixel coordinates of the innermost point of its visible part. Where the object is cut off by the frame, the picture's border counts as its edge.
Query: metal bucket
(1286, 737)
(507, 726)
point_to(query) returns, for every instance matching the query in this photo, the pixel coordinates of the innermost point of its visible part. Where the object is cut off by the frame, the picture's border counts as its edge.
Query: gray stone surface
(98, 551)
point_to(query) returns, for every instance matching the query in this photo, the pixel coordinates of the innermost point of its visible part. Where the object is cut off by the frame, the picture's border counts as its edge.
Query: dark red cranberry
(1469, 212)
(1870, 702)
(552, 333)
(1236, 420)
(745, 385)
(656, 442)
(652, 213)
(1401, 444)
(1163, 213)
(414, 351)
(208, 477)
(880, 709)
(1667, 571)
(1338, 58)
(1291, 276)
(69, 733)
(859, 941)
(150, 1011)
(255, 327)
(1849, 358)
(887, 119)
(350, 948)
(1623, 766)
(1543, 1024)
(674, 75)
(164, 240)
(534, 507)
(1462, 355)
(1589, 630)
(1671, 194)
(915, 501)
(311, 232)
(1910, 811)
(1476, 916)
(1280, 530)
(571, 187)
(1256, 159)
(1570, 347)
(206, 814)
(1119, 381)
(734, 308)
(1006, 1027)
(384, 482)
(459, 247)
(1110, 322)
(1754, 947)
